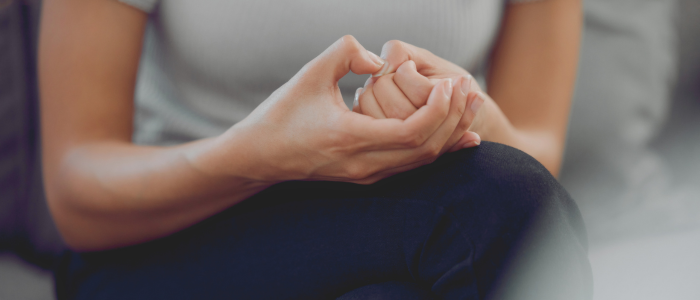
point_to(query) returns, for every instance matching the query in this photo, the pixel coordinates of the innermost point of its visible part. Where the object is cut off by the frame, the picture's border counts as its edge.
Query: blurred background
(632, 161)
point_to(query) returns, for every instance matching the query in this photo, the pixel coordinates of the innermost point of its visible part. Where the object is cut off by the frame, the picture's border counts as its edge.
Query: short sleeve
(144, 5)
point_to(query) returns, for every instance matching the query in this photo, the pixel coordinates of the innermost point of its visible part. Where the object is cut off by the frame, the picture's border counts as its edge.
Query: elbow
(87, 214)
(77, 215)
(83, 231)
(89, 222)
(85, 225)
(76, 241)
(68, 220)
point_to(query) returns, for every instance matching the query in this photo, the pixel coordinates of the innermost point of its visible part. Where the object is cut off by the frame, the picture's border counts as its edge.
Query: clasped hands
(414, 108)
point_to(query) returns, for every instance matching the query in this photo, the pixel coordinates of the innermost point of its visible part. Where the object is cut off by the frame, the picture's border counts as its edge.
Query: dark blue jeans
(482, 223)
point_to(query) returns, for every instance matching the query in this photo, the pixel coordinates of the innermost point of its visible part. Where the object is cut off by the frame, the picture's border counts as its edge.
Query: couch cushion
(626, 73)
(25, 222)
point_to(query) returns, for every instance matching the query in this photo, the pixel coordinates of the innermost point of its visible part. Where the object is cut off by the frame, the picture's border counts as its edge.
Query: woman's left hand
(532, 70)
(488, 118)
(398, 95)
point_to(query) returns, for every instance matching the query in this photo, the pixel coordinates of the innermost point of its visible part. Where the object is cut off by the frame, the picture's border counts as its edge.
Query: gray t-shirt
(207, 64)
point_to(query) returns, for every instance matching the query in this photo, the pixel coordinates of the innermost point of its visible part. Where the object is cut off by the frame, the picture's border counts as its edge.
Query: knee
(513, 212)
(509, 168)
(502, 170)
(490, 186)
(535, 226)
(510, 187)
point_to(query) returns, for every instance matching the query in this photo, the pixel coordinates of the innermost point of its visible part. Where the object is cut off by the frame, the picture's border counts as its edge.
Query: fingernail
(447, 88)
(356, 102)
(368, 81)
(454, 81)
(471, 144)
(383, 71)
(478, 101)
(376, 59)
(466, 84)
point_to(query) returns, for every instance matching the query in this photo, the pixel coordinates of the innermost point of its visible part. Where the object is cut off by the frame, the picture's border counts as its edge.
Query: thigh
(309, 248)
(301, 245)
(458, 227)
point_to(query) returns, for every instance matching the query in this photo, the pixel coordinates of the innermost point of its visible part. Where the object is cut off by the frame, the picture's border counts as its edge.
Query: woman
(156, 208)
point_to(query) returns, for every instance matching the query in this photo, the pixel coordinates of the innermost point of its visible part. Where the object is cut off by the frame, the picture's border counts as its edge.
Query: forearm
(543, 144)
(532, 75)
(111, 194)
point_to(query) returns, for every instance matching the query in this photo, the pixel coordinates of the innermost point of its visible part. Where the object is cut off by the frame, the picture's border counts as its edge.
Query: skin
(530, 80)
(400, 94)
(105, 192)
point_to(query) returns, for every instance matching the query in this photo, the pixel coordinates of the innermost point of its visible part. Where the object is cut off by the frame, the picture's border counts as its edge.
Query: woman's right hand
(105, 192)
(400, 94)
(304, 131)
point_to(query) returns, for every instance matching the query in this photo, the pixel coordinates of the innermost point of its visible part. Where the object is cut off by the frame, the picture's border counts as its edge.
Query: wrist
(223, 160)
(492, 124)
(252, 153)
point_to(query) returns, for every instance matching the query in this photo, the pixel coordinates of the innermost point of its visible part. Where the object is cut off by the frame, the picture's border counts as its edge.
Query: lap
(454, 227)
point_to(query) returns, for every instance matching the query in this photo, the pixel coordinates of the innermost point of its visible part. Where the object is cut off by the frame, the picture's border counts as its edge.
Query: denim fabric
(480, 223)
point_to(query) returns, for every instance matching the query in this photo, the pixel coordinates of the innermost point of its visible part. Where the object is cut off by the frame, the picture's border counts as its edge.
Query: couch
(633, 153)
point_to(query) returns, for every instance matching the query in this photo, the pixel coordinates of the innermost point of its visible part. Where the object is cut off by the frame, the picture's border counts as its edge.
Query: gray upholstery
(627, 73)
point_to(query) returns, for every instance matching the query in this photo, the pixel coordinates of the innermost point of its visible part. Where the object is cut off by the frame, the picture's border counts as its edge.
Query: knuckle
(444, 110)
(349, 44)
(464, 123)
(383, 81)
(366, 101)
(348, 39)
(393, 46)
(461, 107)
(410, 138)
(404, 74)
(432, 150)
(400, 75)
(361, 99)
(363, 102)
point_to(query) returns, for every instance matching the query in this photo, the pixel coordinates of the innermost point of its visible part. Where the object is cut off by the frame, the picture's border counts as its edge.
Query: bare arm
(531, 78)
(532, 75)
(105, 192)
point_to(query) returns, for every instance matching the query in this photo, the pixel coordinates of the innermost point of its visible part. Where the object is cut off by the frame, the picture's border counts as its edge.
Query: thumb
(345, 55)
(469, 139)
